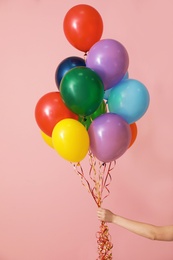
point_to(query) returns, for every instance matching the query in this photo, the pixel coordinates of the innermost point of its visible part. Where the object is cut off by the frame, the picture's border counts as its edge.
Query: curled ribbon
(98, 186)
(104, 243)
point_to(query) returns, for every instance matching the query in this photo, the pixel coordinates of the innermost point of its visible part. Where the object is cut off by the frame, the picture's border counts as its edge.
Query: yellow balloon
(47, 139)
(70, 139)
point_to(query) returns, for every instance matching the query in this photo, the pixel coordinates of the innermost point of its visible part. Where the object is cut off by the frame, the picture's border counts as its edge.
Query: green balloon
(100, 110)
(82, 90)
(87, 120)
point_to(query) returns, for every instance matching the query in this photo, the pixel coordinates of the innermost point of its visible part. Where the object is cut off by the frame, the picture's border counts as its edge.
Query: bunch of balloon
(94, 111)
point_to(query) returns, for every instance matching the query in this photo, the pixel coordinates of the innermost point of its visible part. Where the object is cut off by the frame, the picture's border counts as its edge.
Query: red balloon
(50, 109)
(83, 26)
(134, 130)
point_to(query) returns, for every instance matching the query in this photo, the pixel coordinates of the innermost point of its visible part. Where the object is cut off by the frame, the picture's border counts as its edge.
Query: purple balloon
(110, 60)
(110, 136)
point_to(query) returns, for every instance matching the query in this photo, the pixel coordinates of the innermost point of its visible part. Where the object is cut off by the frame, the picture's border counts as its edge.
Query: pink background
(45, 212)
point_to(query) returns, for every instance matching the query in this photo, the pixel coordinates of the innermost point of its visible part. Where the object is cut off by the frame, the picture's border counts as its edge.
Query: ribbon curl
(104, 243)
(100, 178)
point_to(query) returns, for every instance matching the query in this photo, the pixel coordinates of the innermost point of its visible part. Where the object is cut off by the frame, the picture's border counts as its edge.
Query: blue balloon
(107, 92)
(129, 99)
(66, 65)
(126, 76)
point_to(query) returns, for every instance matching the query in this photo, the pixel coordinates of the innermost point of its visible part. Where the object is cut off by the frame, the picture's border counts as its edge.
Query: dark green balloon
(87, 120)
(82, 90)
(100, 110)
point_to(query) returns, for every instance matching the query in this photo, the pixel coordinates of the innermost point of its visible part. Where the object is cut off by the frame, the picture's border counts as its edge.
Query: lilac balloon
(110, 60)
(110, 136)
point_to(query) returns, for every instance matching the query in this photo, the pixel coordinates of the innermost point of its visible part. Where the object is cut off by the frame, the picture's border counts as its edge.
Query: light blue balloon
(107, 92)
(126, 76)
(129, 99)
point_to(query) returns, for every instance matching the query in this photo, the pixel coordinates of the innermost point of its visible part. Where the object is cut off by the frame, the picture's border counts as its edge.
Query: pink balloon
(110, 60)
(110, 137)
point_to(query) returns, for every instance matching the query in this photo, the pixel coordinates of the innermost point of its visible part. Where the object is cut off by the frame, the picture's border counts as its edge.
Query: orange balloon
(133, 128)
(83, 26)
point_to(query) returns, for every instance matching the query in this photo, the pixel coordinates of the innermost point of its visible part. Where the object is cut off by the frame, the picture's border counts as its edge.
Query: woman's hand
(105, 215)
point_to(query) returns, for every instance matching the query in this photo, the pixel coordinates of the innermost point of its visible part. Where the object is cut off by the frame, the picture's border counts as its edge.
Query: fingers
(100, 211)
(101, 214)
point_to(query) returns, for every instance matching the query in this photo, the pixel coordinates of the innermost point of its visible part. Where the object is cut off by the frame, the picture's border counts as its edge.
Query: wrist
(114, 219)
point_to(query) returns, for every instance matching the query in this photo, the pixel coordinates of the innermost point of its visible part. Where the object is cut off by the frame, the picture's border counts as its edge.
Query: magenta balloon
(110, 136)
(110, 60)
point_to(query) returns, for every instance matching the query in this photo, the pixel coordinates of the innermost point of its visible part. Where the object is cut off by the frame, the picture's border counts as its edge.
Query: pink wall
(45, 212)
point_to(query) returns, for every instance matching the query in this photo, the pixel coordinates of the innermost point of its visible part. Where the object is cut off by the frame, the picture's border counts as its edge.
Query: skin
(162, 233)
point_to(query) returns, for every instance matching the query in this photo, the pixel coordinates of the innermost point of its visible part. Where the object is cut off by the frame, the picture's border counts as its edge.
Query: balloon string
(101, 181)
(100, 175)
(93, 174)
(102, 172)
(79, 170)
(101, 178)
(104, 243)
(105, 182)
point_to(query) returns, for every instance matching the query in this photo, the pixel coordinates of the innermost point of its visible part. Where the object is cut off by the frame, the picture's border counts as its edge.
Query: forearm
(164, 233)
(139, 228)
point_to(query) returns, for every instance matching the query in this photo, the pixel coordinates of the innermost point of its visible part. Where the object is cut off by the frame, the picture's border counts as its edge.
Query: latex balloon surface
(49, 110)
(134, 132)
(65, 65)
(71, 140)
(129, 99)
(107, 92)
(110, 136)
(83, 26)
(82, 90)
(47, 139)
(110, 60)
(87, 120)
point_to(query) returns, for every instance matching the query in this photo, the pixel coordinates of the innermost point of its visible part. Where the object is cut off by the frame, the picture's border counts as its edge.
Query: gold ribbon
(100, 178)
